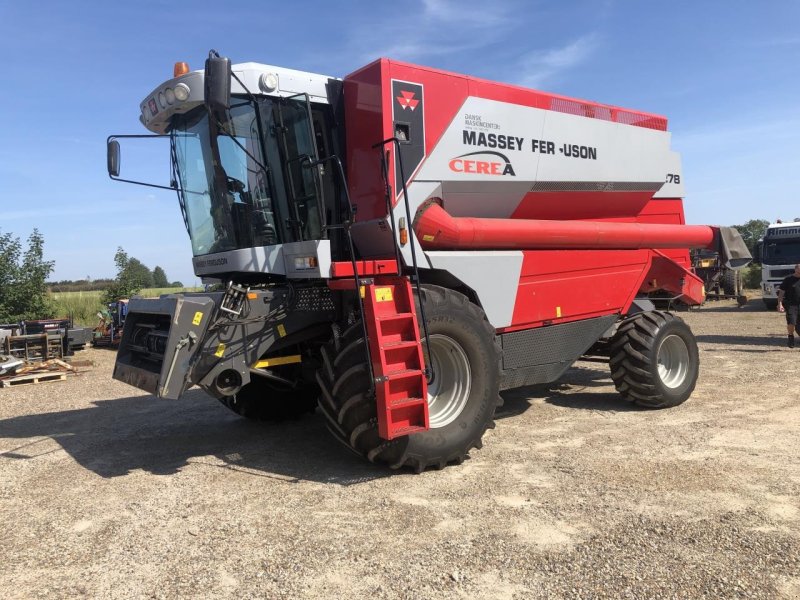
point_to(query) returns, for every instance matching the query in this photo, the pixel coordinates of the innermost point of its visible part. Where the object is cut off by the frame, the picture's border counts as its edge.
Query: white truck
(780, 251)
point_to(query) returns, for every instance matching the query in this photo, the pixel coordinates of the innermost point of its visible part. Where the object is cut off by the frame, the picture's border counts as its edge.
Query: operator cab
(255, 196)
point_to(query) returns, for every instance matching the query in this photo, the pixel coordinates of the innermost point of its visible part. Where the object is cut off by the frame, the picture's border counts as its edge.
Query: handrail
(345, 225)
(415, 266)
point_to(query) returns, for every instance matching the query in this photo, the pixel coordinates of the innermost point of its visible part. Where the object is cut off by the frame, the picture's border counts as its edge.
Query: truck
(779, 251)
(397, 247)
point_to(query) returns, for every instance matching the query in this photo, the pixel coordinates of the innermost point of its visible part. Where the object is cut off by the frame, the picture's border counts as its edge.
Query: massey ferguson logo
(406, 100)
(484, 165)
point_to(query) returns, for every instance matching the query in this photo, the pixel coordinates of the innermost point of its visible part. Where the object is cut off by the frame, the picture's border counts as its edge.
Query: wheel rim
(451, 381)
(673, 361)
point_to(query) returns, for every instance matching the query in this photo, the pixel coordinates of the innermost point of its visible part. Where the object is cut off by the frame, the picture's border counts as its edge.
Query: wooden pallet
(32, 378)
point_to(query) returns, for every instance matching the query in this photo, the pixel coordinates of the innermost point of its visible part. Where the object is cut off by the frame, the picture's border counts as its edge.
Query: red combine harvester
(399, 246)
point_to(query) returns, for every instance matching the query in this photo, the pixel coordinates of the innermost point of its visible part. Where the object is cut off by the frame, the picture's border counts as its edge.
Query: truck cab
(780, 251)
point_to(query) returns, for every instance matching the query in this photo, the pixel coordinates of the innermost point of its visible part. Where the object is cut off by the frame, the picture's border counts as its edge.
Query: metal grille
(607, 113)
(313, 299)
(553, 344)
(781, 272)
(597, 186)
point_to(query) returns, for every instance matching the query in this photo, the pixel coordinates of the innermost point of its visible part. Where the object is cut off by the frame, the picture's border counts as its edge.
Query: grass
(84, 306)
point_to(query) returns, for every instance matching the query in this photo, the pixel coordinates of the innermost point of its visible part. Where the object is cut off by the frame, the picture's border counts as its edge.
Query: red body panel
(554, 285)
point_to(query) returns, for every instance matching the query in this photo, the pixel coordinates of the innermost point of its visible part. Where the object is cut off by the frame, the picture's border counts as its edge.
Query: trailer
(398, 246)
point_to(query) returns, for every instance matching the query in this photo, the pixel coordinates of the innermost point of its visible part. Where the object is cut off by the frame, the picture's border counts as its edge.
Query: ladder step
(406, 402)
(404, 374)
(394, 317)
(399, 345)
(409, 429)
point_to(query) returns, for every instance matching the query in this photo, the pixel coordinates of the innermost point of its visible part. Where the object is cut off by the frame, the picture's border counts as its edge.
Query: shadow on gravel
(729, 306)
(115, 437)
(568, 392)
(743, 340)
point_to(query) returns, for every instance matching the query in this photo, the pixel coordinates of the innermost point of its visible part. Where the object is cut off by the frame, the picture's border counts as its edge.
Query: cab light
(169, 94)
(180, 68)
(268, 82)
(305, 262)
(403, 232)
(181, 92)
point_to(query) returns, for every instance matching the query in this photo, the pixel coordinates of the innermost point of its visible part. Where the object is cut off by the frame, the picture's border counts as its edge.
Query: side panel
(564, 285)
(364, 118)
(541, 355)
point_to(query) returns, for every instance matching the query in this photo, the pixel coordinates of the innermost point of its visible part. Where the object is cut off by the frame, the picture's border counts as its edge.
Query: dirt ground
(109, 492)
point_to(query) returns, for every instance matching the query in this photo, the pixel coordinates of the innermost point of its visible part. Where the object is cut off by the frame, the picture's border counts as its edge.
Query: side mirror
(112, 158)
(218, 84)
(758, 252)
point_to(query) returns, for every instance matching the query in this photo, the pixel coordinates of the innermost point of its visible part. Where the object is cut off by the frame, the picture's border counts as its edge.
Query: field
(108, 492)
(84, 306)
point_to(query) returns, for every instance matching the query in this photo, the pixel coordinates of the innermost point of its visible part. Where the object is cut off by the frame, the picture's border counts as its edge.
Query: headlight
(182, 92)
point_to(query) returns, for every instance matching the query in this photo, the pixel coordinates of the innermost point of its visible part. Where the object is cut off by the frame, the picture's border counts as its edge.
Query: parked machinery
(110, 324)
(401, 245)
(720, 282)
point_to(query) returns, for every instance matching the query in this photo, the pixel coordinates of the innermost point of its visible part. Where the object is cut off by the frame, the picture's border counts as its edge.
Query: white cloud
(441, 28)
(541, 66)
(733, 137)
(477, 13)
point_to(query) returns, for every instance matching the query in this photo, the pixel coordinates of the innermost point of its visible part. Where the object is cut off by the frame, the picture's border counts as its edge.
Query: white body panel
(156, 111)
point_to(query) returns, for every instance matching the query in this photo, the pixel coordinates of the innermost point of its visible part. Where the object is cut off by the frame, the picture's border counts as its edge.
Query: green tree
(126, 284)
(160, 278)
(23, 277)
(139, 273)
(751, 232)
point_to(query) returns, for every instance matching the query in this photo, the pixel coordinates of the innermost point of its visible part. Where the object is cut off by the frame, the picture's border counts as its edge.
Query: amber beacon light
(181, 68)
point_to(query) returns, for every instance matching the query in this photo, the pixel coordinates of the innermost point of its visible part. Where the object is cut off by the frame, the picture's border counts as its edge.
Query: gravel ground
(108, 492)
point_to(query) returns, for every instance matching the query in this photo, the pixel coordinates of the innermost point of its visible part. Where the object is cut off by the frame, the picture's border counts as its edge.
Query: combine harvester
(401, 245)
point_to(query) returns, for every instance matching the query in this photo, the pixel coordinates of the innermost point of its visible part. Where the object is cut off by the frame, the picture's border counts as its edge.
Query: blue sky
(726, 74)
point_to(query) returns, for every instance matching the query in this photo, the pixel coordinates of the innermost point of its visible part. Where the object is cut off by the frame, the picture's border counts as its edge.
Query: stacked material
(14, 371)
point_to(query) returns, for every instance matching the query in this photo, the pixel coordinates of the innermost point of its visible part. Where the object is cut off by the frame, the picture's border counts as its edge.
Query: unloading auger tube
(438, 230)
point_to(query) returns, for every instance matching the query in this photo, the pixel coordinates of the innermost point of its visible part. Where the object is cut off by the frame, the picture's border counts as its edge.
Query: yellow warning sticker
(383, 294)
(281, 330)
(428, 238)
(198, 316)
(363, 292)
(220, 350)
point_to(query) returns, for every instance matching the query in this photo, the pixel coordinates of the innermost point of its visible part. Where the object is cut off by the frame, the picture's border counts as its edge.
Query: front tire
(463, 392)
(654, 360)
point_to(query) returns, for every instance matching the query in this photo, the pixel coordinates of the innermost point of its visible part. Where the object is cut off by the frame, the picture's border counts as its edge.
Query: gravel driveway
(108, 492)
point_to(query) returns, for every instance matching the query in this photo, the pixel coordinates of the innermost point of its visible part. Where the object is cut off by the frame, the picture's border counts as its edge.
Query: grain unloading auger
(399, 246)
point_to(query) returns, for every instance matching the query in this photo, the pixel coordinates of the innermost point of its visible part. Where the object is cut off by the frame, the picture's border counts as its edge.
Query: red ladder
(401, 388)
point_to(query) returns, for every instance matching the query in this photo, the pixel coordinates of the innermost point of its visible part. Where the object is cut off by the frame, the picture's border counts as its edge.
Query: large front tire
(463, 392)
(654, 360)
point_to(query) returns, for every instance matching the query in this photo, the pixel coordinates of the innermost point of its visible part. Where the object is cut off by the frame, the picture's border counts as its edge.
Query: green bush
(751, 277)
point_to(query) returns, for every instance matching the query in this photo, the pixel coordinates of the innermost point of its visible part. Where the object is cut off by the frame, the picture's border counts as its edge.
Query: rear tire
(729, 277)
(654, 360)
(261, 400)
(463, 394)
